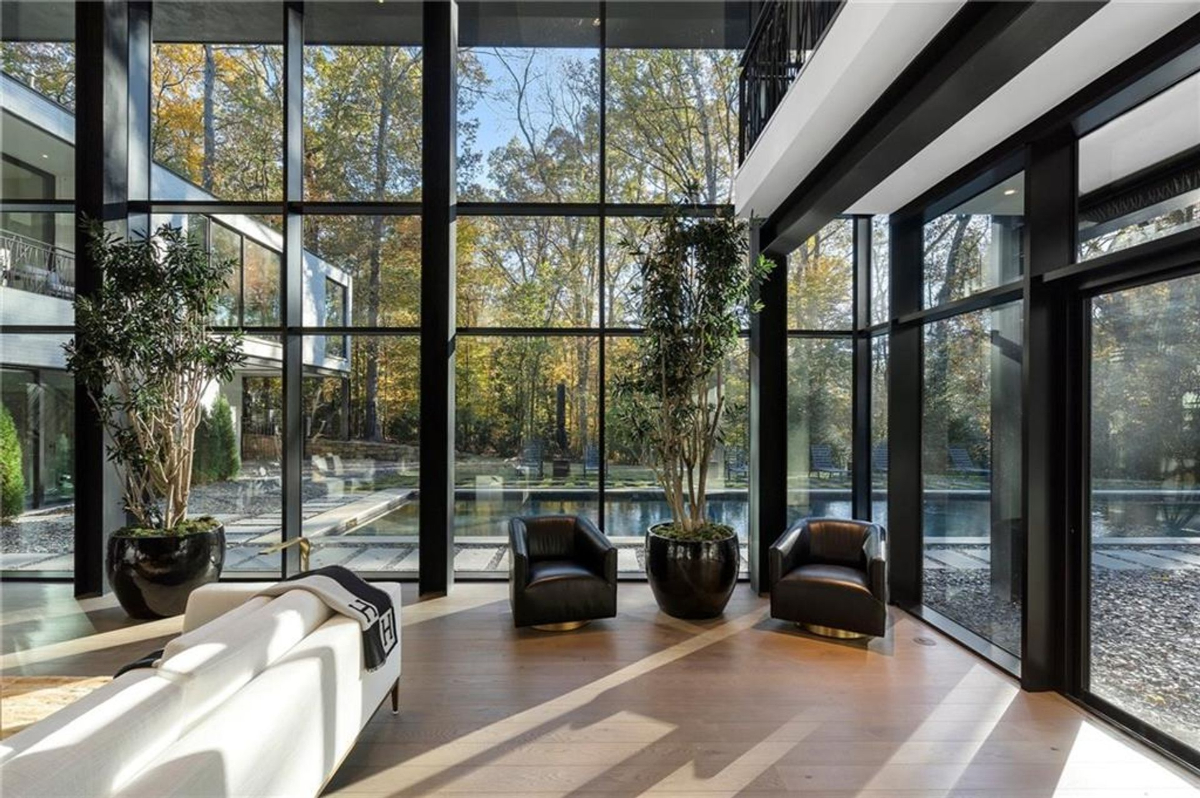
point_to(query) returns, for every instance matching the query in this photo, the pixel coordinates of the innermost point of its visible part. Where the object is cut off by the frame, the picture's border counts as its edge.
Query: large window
(547, 298)
(1144, 497)
(971, 466)
(37, 284)
(820, 312)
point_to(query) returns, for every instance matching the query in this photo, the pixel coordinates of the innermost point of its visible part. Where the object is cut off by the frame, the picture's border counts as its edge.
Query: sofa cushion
(285, 732)
(215, 660)
(95, 745)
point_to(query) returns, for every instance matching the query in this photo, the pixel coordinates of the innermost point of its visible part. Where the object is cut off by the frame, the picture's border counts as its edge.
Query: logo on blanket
(367, 611)
(387, 630)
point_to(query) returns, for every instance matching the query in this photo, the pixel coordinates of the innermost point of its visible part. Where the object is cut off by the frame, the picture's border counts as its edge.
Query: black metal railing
(31, 265)
(785, 36)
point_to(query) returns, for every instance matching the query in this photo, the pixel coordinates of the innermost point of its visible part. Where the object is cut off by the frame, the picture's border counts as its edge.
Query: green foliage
(227, 462)
(192, 526)
(143, 350)
(697, 289)
(704, 532)
(12, 478)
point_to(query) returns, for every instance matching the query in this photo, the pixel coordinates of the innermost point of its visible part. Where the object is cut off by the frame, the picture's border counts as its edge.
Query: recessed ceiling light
(45, 155)
(1008, 192)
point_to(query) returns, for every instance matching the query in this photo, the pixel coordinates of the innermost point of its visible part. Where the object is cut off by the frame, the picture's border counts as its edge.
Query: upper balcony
(785, 36)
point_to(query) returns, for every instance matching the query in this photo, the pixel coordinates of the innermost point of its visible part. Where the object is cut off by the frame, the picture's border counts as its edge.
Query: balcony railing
(31, 265)
(785, 36)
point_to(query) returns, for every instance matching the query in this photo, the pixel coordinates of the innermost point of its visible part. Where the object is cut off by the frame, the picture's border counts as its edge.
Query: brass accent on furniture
(560, 627)
(829, 631)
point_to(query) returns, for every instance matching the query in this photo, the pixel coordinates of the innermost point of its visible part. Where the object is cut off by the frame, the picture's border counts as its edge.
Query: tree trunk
(210, 135)
(387, 91)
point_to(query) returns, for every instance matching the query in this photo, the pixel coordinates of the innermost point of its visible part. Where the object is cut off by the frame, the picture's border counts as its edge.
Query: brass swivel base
(829, 631)
(568, 626)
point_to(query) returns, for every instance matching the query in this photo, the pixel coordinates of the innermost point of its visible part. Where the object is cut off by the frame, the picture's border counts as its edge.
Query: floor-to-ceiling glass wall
(1139, 181)
(37, 284)
(971, 418)
(576, 127)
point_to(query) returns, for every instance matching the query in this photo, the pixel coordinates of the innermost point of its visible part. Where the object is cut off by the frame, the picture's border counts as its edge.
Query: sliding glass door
(1143, 496)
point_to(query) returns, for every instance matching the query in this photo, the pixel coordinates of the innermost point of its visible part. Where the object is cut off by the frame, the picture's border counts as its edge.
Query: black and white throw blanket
(346, 593)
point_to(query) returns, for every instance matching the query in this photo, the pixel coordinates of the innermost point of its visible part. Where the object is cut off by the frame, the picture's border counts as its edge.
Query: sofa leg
(396, 697)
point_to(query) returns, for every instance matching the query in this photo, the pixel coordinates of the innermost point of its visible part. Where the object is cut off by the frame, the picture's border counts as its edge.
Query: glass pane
(527, 271)
(217, 102)
(977, 245)
(1145, 503)
(262, 265)
(820, 415)
(1138, 176)
(362, 119)
(879, 429)
(971, 455)
(821, 280)
(362, 419)
(525, 435)
(881, 270)
(236, 472)
(37, 84)
(528, 123)
(374, 262)
(622, 278)
(633, 501)
(672, 125)
(37, 455)
(37, 268)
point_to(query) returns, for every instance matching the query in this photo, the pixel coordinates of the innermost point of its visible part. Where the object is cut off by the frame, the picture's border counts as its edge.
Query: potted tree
(697, 290)
(144, 352)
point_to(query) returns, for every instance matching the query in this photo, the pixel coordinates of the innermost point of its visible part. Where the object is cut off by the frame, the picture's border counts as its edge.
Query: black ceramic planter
(691, 578)
(153, 576)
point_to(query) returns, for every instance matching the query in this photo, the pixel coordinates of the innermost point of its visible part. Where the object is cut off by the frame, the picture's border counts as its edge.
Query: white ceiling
(1111, 35)
(867, 46)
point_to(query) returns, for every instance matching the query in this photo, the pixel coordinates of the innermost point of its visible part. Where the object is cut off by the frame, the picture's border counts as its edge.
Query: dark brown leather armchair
(830, 576)
(563, 572)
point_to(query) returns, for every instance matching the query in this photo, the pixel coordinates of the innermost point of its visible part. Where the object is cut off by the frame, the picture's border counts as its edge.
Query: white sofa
(258, 697)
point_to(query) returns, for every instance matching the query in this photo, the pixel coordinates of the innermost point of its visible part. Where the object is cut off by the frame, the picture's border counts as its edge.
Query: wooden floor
(648, 704)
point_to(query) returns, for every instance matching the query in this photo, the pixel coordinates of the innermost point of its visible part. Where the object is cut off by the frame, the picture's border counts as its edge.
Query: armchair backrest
(550, 537)
(836, 541)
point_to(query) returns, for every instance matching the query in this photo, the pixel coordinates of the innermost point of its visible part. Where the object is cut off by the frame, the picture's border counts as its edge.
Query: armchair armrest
(875, 556)
(518, 546)
(789, 551)
(595, 550)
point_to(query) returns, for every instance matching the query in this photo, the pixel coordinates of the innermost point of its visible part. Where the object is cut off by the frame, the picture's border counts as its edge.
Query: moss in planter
(707, 533)
(192, 526)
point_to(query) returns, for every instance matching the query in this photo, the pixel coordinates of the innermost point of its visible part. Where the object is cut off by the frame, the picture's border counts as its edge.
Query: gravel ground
(1145, 636)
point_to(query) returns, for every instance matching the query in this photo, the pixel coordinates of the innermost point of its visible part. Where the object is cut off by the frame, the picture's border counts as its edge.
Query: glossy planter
(691, 578)
(153, 576)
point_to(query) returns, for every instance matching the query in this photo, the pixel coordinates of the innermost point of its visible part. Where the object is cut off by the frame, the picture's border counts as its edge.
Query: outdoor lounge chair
(961, 462)
(821, 461)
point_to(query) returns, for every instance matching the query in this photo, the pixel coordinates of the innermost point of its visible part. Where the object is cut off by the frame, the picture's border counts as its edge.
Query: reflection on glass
(1145, 503)
(977, 245)
(633, 501)
(881, 269)
(528, 271)
(672, 125)
(819, 412)
(879, 429)
(971, 464)
(361, 452)
(260, 284)
(1138, 179)
(525, 435)
(821, 280)
(529, 121)
(37, 455)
